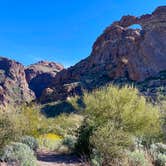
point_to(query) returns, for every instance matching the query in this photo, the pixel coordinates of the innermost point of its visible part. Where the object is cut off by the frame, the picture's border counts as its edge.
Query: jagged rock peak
(121, 52)
(13, 85)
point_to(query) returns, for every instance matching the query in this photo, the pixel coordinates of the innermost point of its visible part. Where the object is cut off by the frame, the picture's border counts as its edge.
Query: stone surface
(40, 75)
(120, 55)
(13, 85)
(120, 52)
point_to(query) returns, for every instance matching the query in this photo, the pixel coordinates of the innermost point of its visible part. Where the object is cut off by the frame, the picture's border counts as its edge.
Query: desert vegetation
(121, 128)
(109, 126)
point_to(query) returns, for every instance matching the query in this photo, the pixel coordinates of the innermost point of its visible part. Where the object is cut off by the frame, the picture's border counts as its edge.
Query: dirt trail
(53, 159)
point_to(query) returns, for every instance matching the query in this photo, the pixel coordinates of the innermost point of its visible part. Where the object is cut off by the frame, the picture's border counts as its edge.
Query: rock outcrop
(40, 75)
(120, 53)
(13, 85)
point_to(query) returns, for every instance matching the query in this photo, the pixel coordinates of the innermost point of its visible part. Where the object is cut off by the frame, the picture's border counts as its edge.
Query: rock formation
(41, 74)
(13, 85)
(120, 53)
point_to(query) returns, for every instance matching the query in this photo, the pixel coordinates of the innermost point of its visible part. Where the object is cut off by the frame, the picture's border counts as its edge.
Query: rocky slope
(19, 85)
(13, 85)
(120, 54)
(41, 74)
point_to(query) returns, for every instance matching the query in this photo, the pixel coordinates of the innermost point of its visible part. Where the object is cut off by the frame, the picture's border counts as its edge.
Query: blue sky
(60, 30)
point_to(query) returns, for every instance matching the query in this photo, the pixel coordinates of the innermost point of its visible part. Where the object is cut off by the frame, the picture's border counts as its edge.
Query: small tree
(115, 115)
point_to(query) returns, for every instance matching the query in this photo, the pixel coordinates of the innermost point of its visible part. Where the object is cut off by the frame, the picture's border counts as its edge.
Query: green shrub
(83, 145)
(158, 153)
(50, 141)
(19, 153)
(137, 158)
(30, 141)
(33, 121)
(113, 116)
(161, 159)
(110, 143)
(70, 142)
(66, 124)
(96, 159)
(8, 129)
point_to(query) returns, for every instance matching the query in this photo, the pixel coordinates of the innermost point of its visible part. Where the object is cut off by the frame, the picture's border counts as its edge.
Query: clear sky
(60, 30)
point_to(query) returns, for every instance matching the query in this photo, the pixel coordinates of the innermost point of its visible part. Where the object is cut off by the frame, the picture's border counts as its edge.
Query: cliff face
(40, 75)
(13, 85)
(19, 85)
(119, 53)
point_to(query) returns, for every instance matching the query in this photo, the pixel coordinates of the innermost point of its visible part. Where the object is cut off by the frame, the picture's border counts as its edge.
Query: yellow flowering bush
(50, 141)
(52, 136)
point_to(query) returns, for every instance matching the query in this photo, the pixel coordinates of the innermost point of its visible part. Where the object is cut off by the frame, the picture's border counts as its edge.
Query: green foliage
(69, 141)
(96, 159)
(110, 142)
(137, 158)
(19, 153)
(50, 142)
(113, 117)
(33, 122)
(161, 159)
(30, 141)
(83, 145)
(8, 129)
(65, 124)
(125, 108)
(158, 153)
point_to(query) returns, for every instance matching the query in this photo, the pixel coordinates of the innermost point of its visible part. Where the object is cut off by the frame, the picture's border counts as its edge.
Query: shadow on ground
(54, 110)
(58, 158)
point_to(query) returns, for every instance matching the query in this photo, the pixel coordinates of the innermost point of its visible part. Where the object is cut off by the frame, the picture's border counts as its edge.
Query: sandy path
(52, 159)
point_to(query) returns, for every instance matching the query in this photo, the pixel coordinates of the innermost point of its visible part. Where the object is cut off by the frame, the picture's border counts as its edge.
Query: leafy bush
(158, 152)
(30, 141)
(8, 129)
(33, 121)
(96, 159)
(137, 158)
(113, 116)
(50, 141)
(66, 124)
(161, 159)
(19, 153)
(110, 142)
(69, 141)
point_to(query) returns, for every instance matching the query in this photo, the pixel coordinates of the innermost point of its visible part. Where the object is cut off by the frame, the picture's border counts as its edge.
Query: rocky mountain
(19, 85)
(121, 54)
(40, 75)
(13, 85)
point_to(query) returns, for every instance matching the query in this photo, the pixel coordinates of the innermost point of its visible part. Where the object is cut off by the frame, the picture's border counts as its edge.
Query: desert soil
(46, 158)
